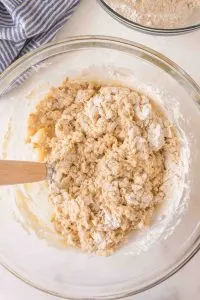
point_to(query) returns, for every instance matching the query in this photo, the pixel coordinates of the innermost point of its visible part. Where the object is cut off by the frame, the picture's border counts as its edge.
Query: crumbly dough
(109, 146)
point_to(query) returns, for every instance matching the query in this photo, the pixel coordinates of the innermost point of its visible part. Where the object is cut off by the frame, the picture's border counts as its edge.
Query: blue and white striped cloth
(27, 24)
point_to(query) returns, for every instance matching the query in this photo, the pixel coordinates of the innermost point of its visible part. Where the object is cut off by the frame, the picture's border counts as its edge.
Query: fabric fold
(26, 25)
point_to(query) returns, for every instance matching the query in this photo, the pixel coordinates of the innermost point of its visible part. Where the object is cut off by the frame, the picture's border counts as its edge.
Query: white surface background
(90, 18)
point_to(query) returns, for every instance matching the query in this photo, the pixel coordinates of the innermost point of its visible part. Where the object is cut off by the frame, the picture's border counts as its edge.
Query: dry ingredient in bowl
(165, 14)
(112, 149)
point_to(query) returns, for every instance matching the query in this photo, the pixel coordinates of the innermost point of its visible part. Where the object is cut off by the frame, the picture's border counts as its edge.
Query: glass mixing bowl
(193, 23)
(28, 248)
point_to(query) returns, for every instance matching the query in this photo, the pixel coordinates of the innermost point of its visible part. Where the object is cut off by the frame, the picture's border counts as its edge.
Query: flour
(164, 14)
(156, 135)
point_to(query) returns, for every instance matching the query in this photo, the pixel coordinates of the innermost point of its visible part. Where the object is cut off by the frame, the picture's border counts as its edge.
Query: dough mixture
(111, 147)
(164, 14)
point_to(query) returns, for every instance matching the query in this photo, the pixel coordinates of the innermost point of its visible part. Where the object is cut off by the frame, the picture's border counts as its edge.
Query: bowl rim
(146, 29)
(6, 78)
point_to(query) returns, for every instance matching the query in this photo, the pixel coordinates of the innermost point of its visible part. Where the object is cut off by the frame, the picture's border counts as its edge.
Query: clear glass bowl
(27, 247)
(192, 24)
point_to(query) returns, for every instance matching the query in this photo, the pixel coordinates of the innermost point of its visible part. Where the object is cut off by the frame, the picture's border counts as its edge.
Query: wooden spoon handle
(14, 172)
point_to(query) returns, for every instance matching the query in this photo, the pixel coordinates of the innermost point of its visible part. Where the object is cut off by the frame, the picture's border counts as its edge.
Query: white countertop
(90, 18)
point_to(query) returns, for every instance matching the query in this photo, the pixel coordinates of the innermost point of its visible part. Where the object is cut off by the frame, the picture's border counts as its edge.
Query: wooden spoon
(15, 172)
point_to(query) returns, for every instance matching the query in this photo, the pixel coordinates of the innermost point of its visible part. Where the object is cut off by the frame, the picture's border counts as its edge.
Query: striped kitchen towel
(27, 24)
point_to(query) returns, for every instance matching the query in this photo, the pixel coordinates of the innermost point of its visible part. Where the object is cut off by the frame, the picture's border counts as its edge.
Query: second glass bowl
(192, 24)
